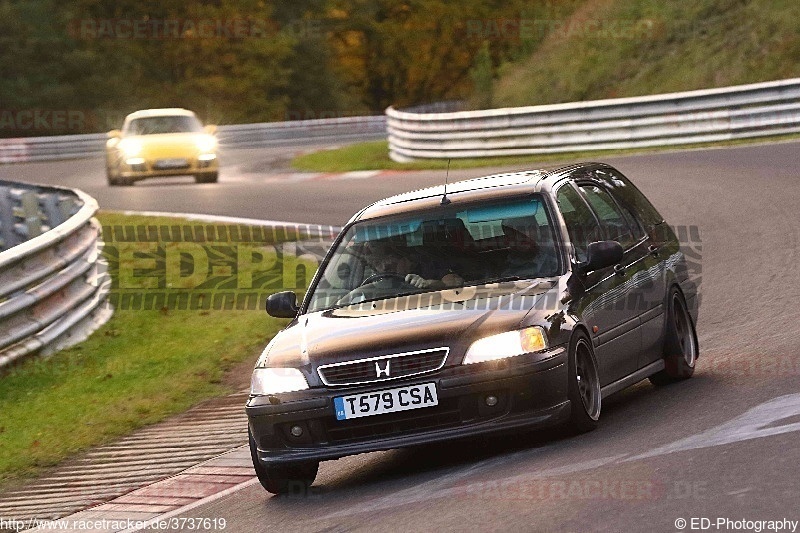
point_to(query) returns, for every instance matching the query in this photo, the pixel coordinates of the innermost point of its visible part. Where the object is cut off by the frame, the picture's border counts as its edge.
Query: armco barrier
(233, 136)
(53, 280)
(744, 111)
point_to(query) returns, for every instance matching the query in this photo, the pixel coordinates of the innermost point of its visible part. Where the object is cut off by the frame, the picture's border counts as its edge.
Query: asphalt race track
(721, 445)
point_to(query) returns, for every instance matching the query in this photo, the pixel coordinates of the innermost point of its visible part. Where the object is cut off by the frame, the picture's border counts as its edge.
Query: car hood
(170, 144)
(448, 318)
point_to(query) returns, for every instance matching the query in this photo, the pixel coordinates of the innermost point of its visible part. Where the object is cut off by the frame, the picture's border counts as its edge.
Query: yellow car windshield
(163, 124)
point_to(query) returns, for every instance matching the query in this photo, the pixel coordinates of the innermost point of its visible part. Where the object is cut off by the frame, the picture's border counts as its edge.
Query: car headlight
(206, 144)
(508, 344)
(276, 380)
(130, 147)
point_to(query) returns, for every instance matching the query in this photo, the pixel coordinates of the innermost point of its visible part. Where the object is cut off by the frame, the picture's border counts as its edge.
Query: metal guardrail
(53, 281)
(744, 111)
(232, 136)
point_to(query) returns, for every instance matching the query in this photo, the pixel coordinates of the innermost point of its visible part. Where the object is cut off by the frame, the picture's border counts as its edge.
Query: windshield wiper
(503, 279)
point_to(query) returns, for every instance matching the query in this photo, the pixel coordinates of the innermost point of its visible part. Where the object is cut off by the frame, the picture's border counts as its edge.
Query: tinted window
(627, 193)
(447, 247)
(615, 223)
(581, 223)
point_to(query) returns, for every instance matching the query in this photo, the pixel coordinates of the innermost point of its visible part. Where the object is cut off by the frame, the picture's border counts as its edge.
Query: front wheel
(115, 180)
(210, 177)
(286, 478)
(584, 384)
(111, 176)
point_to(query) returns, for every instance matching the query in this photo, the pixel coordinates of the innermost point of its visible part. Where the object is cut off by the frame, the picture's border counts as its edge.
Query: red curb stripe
(133, 497)
(139, 508)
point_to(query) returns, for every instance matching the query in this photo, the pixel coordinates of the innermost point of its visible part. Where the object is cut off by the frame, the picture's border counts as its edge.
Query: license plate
(386, 401)
(171, 163)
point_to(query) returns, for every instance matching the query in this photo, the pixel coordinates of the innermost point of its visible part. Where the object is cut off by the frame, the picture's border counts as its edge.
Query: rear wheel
(286, 478)
(584, 384)
(680, 343)
(206, 178)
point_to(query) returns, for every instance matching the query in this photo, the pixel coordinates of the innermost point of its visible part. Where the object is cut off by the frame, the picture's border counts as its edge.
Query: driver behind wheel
(387, 259)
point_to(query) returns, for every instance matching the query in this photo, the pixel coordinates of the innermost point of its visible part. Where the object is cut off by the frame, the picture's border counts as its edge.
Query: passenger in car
(529, 256)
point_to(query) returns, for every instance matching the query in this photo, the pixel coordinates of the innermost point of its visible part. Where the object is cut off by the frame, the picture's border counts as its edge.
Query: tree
(482, 78)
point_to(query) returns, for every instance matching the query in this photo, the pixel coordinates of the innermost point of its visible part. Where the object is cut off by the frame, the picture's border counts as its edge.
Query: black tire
(584, 384)
(118, 181)
(112, 179)
(206, 178)
(283, 479)
(680, 342)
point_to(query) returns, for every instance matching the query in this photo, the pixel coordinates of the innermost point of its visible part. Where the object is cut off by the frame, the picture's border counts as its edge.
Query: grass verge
(374, 155)
(139, 368)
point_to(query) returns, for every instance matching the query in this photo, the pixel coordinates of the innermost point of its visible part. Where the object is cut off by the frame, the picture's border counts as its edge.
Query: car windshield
(449, 247)
(163, 124)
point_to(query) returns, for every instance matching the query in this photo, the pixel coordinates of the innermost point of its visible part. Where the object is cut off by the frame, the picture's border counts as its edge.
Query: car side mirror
(114, 134)
(282, 305)
(602, 254)
(211, 129)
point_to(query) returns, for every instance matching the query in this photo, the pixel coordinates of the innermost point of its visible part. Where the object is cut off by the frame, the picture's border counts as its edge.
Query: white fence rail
(53, 281)
(744, 111)
(232, 136)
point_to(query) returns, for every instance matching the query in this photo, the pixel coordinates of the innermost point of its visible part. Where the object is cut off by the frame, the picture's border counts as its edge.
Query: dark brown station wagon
(498, 304)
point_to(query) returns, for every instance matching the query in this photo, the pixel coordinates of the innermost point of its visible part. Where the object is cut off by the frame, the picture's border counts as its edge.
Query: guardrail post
(7, 239)
(31, 214)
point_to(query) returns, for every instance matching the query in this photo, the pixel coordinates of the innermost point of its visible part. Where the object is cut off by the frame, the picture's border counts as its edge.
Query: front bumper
(531, 395)
(149, 168)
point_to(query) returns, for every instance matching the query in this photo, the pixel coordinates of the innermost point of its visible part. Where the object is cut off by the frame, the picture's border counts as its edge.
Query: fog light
(206, 157)
(133, 161)
(296, 431)
(491, 401)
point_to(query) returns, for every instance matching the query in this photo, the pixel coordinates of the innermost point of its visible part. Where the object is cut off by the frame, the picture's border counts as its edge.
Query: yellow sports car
(161, 142)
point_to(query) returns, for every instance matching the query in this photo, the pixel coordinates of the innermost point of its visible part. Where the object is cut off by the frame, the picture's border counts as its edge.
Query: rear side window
(581, 223)
(617, 224)
(629, 196)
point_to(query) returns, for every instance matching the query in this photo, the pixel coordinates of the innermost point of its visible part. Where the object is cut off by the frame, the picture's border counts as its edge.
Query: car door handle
(619, 269)
(653, 249)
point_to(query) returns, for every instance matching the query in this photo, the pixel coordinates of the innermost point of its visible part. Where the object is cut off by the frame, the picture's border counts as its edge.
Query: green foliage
(294, 60)
(324, 58)
(482, 80)
(628, 48)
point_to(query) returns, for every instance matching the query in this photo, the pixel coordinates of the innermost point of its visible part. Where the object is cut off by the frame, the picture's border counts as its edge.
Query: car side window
(616, 224)
(581, 223)
(629, 196)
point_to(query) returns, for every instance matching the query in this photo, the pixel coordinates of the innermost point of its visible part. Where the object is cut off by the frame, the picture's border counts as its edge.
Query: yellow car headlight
(507, 344)
(206, 144)
(130, 147)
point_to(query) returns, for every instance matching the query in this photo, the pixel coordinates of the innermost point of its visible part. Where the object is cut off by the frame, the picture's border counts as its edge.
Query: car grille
(383, 368)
